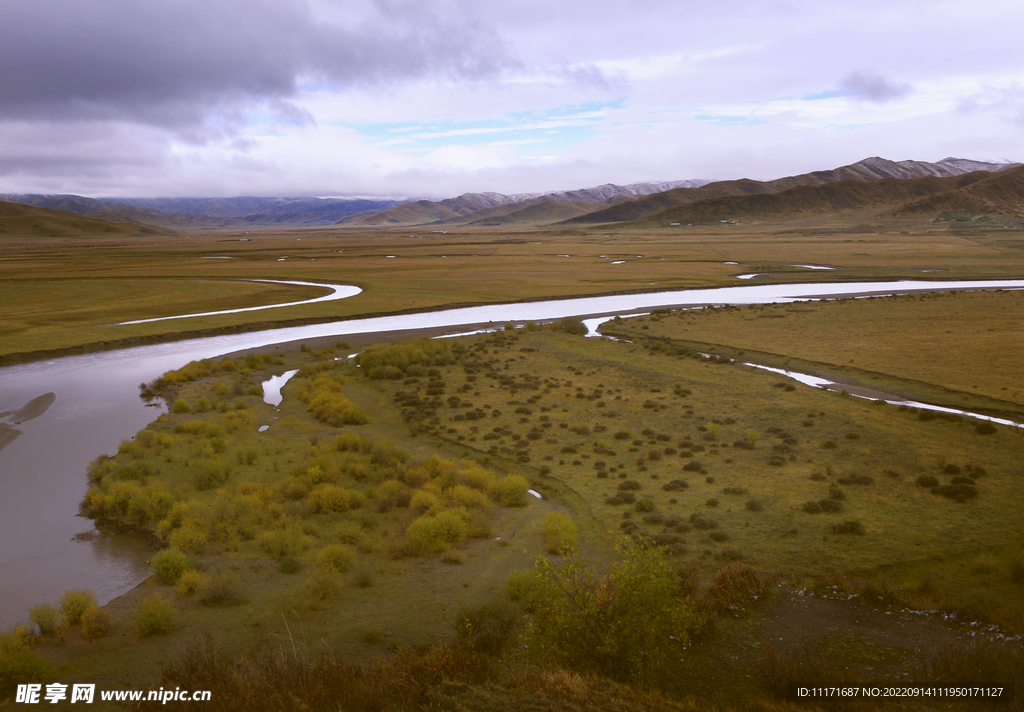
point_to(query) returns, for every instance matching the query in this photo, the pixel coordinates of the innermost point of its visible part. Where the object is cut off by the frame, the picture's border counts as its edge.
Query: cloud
(176, 63)
(873, 87)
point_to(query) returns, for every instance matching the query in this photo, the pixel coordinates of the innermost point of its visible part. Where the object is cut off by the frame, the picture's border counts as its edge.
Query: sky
(434, 98)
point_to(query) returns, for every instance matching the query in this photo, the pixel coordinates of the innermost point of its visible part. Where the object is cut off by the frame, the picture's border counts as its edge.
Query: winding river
(89, 403)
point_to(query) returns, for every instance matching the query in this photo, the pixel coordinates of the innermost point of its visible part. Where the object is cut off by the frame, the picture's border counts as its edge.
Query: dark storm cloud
(175, 63)
(873, 87)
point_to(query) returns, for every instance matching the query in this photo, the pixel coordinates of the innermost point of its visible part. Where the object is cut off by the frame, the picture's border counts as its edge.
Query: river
(96, 405)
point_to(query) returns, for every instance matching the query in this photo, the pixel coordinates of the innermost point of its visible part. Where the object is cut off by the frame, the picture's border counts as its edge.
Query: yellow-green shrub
(170, 564)
(423, 501)
(559, 533)
(511, 491)
(287, 541)
(189, 583)
(156, 614)
(337, 557)
(332, 498)
(97, 623)
(430, 534)
(74, 604)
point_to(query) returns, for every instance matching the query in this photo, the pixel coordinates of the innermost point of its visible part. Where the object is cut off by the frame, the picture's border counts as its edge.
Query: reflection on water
(272, 387)
(96, 405)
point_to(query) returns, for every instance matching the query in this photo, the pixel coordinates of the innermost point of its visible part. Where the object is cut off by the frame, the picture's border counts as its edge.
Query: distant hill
(998, 195)
(870, 169)
(208, 212)
(883, 194)
(30, 221)
(481, 207)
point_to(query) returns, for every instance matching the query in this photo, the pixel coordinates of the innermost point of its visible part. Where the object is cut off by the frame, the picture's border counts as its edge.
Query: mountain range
(890, 189)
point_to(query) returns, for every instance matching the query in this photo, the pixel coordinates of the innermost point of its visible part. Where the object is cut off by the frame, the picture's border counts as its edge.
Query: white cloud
(439, 97)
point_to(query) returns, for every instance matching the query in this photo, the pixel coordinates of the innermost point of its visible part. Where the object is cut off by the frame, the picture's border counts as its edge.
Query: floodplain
(385, 513)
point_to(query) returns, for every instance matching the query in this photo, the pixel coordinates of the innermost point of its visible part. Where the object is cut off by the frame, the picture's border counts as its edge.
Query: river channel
(95, 405)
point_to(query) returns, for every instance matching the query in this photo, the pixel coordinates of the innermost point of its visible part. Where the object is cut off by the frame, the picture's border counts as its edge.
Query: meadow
(378, 540)
(66, 293)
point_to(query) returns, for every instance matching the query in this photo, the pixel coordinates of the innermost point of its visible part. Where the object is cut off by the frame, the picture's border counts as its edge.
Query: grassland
(304, 535)
(960, 349)
(302, 540)
(107, 280)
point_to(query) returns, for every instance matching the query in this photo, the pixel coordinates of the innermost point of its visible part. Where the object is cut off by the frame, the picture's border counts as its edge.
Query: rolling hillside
(29, 221)
(887, 193)
(870, 169)
(998, 195)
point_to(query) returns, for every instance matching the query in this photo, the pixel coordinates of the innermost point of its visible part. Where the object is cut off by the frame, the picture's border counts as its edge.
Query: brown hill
(816, 199)
(30, 221)
(1001, 194)
(869, 169)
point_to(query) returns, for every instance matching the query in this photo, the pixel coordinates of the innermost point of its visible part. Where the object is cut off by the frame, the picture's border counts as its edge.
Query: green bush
(19, 665)
(512, 491)
(189, 583)
(46, 617)
(97, 623)
(74, 604)
(559, 533)
(631, 625)
(156, 614)
(432, 534)
(337, 557)
(525, 588)
(170, 564)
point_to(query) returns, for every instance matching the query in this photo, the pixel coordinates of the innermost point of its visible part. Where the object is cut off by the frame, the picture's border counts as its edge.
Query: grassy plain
(107, 280)
(301, 544)
(961, 349)
(714, 462)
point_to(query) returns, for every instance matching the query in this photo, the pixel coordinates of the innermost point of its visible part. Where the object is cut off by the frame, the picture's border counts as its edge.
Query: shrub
(957, 492)
(631, 624)
(46, 617)
(19, 665)
(489, 628)
(332, 498)
(337, 557)
(852, 526)
(524, 588)
(512, 491)
(573, 325)
(74, 604)
(432, 534)
(754, 505)
(985, 429)
(219, 589)
(831, 506)
(629, 485)
(181, 406)
(170, 564)
(97, 623)
(323, 585)
(188, 583)
(156, 614)
(645, 505)
(927, 481)
(559, 533)
(675, 485)
(811, 507)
